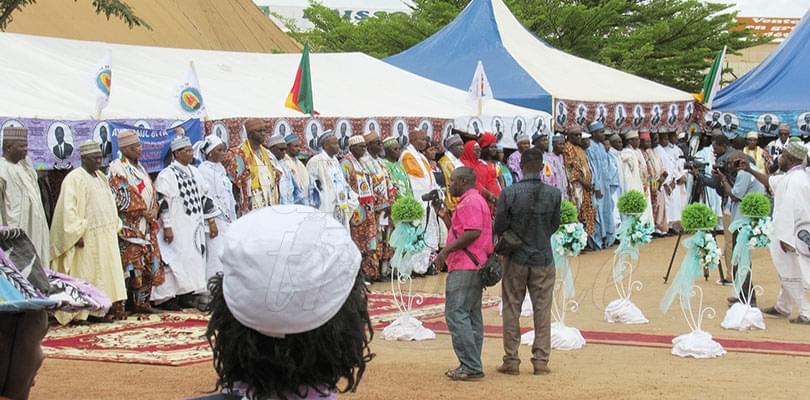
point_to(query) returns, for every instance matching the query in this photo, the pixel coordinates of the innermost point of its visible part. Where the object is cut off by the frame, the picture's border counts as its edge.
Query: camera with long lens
(431, 196)
(694, 163)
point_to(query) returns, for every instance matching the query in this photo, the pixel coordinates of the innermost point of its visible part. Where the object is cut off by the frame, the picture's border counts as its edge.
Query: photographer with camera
(735, 184)
(702, 167)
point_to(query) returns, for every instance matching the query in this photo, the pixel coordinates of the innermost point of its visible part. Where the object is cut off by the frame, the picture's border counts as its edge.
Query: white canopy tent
(49, 78)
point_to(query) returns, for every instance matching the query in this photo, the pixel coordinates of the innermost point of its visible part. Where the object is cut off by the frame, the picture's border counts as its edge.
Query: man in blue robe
(606, 180)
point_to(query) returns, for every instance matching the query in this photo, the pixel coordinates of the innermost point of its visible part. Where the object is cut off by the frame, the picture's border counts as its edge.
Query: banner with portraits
(54, 144)
(156, 143)
(507, 129)
(734, 124)
(618, 116)
(232, 130)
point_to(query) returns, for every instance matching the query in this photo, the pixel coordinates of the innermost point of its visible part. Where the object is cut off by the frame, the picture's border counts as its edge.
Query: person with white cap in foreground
(184, 210)
(334, 196)
(212, 151)
(289, 313)
(791, 211)
(84, 233)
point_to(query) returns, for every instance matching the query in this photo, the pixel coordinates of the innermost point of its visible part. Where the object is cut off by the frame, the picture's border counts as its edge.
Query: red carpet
(762, 346)
(177, 339)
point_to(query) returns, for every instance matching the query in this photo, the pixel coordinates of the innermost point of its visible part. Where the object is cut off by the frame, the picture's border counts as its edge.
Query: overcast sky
(770, 8)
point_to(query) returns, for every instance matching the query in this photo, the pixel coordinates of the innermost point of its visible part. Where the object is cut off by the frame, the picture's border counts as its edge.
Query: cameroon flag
(300, 97)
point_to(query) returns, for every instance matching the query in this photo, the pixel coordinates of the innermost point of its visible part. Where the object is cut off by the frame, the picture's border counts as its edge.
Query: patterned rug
(177, 339)
(761, 346)
(174, 339)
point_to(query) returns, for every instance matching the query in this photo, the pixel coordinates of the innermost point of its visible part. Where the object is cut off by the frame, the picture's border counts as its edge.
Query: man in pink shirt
(469, 244)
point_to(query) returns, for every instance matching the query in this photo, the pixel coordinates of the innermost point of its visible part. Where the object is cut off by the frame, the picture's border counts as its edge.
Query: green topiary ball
(755, 205)
(697, 217)
(406, 209)
(568, 213)
(632, 202)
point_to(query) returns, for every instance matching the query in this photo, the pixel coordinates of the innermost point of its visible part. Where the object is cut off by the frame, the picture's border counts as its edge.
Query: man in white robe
(84, 233)
(220, 191)
(21, 201)
(299, 170)
(422, 181)
(675, 184)
(614, 150)
(334, 196)
(634, 171)
(790, 210)
(184, 210)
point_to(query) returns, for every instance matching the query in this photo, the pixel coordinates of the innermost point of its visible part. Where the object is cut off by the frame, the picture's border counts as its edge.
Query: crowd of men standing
(146, 243)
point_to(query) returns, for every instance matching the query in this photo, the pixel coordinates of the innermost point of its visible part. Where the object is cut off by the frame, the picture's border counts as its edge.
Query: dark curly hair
(280, 367)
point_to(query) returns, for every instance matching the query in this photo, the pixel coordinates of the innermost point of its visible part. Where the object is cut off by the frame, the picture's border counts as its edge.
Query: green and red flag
(300, 97)
(711, 83)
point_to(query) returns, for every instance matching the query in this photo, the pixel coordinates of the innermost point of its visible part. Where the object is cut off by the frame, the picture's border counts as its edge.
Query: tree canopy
(668, 41)
(110, 8)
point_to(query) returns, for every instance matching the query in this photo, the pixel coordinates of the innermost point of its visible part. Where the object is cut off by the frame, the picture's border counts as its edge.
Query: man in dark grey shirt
(530, 209)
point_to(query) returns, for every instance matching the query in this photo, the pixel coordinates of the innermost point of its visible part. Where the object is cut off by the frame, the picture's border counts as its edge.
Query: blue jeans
(462, 310)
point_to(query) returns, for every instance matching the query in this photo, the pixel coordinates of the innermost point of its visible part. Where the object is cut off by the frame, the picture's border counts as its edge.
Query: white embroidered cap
(287, 269)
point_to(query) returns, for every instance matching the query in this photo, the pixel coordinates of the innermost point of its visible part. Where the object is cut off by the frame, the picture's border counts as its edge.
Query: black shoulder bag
(492, 270)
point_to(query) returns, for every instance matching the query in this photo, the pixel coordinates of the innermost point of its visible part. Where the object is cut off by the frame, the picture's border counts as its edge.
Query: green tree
(669, 41)
(110, 8)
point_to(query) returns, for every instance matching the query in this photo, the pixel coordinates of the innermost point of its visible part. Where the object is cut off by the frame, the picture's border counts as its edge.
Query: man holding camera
(734, 184)
(531, 210)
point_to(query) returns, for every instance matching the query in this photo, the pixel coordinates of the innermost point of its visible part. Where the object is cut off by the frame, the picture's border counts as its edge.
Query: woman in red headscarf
(486, 180)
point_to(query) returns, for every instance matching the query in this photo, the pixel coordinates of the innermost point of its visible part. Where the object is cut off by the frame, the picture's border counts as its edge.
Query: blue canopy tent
(450, 57)
(776, 91)
(526, 71)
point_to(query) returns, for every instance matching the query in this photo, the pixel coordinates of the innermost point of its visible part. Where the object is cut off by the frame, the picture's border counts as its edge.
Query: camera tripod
(700, 194)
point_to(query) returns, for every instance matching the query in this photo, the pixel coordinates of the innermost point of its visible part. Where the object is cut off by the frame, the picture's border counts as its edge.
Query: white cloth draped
(336, 197)
(633, 173)
(676, 200)
(220, 191)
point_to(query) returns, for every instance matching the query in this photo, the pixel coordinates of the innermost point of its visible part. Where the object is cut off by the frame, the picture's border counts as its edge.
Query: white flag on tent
(479, 90)
(102, 83)
(188, 96)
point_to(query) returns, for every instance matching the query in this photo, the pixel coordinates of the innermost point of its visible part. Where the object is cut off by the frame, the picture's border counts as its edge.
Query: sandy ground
(415, 370)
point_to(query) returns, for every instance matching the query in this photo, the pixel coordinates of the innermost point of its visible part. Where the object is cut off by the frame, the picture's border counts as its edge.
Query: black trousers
(747, 286)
